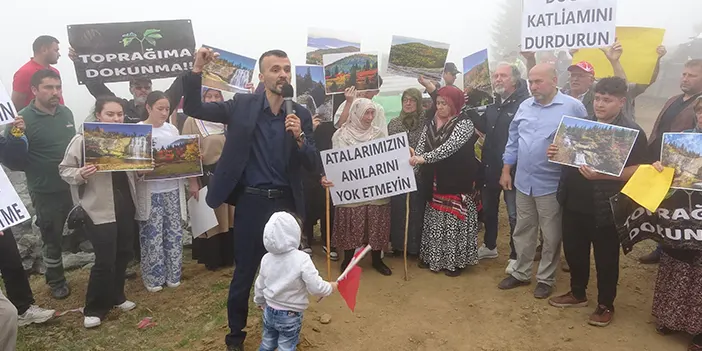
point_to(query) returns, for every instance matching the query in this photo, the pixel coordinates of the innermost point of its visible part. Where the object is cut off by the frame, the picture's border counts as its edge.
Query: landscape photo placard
(176, 157)
(347, 70)
(119, 52)
(311, 93)
(683, 152)
(229, 72)
(477, 85)
(117, 146)
(601, 146)
(321, 42)
(412, 57)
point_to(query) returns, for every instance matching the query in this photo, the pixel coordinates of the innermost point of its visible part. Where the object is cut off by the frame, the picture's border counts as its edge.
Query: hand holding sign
(417, 160)
(326, 182)
(202, 58)
(88, 171)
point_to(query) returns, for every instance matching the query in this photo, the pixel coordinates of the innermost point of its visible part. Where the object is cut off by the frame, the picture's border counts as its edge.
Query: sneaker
(307, 250)
(332, 255)
(36, 315)
(91, 322)
(61, 292)
(510, 283)
(485, 253)
(173, 285)
(510, 266)
(601, 317)
(567, 300)
(543, 291)
(126, 306)
(154, 288)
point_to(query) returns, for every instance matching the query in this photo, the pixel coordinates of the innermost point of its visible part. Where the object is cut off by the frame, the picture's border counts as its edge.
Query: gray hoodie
(287, 274)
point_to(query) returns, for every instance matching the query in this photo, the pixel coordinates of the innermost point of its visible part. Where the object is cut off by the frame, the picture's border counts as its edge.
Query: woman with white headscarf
(367, 222)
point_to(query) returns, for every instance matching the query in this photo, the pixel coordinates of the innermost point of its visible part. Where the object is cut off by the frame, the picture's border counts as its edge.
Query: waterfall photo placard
(117, 146)
(229, 72)
(176, 157)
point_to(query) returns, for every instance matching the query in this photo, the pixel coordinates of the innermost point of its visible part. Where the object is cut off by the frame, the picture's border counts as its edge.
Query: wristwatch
(301, 137)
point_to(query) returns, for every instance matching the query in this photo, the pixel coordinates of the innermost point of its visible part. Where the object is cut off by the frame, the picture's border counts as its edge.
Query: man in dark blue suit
(260, 168)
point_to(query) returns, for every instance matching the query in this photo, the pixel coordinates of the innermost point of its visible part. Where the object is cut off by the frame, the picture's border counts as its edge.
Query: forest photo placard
(683, 152)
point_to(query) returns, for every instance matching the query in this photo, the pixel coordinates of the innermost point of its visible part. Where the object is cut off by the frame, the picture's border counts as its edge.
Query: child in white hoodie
(286, 276)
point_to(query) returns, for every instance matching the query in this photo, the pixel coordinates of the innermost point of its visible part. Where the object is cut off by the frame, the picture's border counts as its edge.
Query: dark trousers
(113, 244)
(491, 214)
(252, 213)
(316, 210)
(13, 274)
(579, 232)
(52, 210)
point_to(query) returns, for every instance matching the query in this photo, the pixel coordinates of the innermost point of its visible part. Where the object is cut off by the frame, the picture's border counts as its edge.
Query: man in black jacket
(587, 215)
(494, 123)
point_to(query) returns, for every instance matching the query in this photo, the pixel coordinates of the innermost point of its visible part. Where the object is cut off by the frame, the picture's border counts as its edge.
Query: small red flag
(348, 287)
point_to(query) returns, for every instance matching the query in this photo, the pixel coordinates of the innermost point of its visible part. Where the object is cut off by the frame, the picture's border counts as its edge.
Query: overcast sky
(283, 24)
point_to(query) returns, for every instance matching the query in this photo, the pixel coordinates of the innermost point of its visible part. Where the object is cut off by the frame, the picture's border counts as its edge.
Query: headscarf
(353, 132)
(210, 128)
(412, 120)
(455, 100)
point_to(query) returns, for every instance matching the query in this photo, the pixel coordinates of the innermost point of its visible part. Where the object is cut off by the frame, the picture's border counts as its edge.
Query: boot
(348, 256)
(378, 263)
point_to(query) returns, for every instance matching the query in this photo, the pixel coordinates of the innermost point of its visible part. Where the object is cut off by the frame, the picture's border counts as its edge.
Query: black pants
(579, 232)
(491, 214)
(114, 248)
(316, 210)
(13, 274)
(252, 213)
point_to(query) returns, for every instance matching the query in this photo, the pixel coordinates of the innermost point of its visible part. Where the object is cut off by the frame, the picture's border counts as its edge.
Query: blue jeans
(491, 213)
(281, 329)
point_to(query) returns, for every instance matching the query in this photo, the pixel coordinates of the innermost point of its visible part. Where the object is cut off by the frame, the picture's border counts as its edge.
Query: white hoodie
(287, 274)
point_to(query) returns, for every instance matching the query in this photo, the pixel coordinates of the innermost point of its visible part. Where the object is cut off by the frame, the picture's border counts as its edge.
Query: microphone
(288, 93)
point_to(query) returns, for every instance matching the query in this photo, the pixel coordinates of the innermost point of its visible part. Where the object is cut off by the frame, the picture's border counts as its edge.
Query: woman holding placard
(361, 223)
(214, 248)
(109, 201)
(448, 171)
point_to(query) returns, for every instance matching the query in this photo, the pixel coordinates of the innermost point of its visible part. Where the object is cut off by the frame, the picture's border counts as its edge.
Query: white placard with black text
(12, 210)
(7, 108)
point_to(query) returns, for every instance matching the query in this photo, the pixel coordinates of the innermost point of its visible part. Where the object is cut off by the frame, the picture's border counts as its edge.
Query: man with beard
(49, 129)
(261, 171)
(46, 53)
(494, 123)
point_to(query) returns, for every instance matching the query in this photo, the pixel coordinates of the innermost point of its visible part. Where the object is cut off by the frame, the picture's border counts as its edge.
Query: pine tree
(506, 32)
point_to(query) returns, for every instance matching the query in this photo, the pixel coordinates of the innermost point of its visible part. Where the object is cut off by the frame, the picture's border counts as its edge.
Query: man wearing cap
(450, 73)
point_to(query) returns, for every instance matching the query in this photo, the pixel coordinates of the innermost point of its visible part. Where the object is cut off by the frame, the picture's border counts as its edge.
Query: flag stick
(407, 211)
(329, 272)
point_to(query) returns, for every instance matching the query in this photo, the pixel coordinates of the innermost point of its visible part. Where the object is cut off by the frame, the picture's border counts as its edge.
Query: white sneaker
(154, 288)
(333, 255)
(91, 322)
(35, 314)
(485, 253)
(173, 285)
(307, 250)
(510, 266)
(126, 306)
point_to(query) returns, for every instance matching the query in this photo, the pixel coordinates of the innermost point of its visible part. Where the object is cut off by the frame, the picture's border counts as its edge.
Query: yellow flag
(648, 187)
(638, 59)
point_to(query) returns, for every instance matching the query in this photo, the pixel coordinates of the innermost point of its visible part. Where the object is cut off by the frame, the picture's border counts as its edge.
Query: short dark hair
(104, 100)
(42, 42)
(154, 96)
(40, 75)
(276, 53)
(614, 86)
(137, 80)
(694, 63)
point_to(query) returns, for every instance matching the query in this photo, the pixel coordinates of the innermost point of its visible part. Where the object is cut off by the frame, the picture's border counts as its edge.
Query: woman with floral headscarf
(448, 171)
(411, 121)
(367, 222)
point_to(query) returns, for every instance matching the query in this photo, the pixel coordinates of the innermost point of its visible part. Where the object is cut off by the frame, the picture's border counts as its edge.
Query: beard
(500, 90)
(139, 100)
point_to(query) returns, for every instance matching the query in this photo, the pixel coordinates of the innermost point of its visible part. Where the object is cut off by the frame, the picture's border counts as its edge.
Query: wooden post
(329, 272)
(407, 209)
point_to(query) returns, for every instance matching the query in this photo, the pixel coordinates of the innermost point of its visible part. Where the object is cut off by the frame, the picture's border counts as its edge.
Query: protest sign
(677, 223)
(7, 108)
(12, 210)
(561, 24)
(228, 72)
(176, 157)
(370, 171)
(683, 152)
(117, 52)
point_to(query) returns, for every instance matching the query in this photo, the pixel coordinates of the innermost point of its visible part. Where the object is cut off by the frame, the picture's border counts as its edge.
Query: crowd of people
(263, 160)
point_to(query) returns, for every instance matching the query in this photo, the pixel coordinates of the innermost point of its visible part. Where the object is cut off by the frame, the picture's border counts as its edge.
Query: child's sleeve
(259, 299)
(315, 284)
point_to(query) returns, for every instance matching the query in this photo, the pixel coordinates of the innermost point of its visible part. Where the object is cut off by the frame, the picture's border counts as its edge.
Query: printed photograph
(117, 146)
(321, 42)
(309, 87)
(229, 72)
(477, 84)
(603, 147)
(343, 71)
(683, 152)
(176, 157)
(411, 57)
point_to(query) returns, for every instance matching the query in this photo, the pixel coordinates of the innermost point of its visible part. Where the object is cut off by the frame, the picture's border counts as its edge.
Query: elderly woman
(214, 248)
(367, 222)
(677, 297)
(448, 170)
(411, 121)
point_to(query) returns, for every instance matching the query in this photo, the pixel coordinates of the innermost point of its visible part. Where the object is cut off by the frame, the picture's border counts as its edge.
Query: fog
(467, 25)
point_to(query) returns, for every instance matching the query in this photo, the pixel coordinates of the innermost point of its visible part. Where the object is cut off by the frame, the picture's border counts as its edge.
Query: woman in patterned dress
(411, 120)
(448, 170)
(367, 222)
